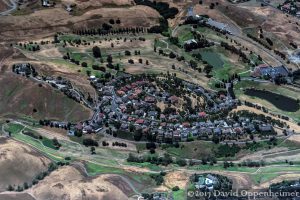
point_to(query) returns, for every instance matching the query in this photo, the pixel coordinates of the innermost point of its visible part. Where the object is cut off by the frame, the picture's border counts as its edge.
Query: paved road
(12, 6)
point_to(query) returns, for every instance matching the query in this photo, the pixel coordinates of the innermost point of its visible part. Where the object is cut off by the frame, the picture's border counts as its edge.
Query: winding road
(12, 6)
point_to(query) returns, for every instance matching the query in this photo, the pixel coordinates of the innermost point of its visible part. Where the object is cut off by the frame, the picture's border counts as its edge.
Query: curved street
(12, 6)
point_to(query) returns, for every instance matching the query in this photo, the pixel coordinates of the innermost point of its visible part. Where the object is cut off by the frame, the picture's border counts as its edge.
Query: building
(266, 71)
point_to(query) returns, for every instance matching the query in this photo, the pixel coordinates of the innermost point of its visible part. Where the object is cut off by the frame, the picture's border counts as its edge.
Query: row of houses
(60, 83)
(291, 6)
(134, 105)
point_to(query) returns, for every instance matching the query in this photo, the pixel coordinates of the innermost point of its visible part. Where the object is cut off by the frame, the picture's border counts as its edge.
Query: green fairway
(179, 195)
(48, 143)
(13, 128)
(212, 58)
(262, 177)
(94, 169)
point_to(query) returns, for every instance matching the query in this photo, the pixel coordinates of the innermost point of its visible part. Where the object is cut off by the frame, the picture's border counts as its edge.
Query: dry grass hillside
(19, 163)
(19, 96)
(43, 23)
(68, 183)
(83, 4)
(16, 196)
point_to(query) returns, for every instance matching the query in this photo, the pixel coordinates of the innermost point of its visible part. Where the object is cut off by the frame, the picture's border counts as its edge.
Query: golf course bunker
(212, 58)
(279, 101)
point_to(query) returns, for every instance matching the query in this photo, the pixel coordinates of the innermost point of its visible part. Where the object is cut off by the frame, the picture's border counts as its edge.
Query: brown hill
(19, 163)
(45, 23)
(68, 183)
(20, 96)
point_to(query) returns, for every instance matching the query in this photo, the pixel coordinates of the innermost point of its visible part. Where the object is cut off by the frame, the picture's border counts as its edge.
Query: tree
(109, 59)
(176, 188)
(25, 186)
(193, 64)
(10, 188)
(93, 149)
(226, 164)
(215, 139)
(89, 142)
(20, 188)
(56, 143)
(127, 53)
(112, 21)
(181, 162)
(96, 52)
(172, 55)
(207, 69)
(84, 64)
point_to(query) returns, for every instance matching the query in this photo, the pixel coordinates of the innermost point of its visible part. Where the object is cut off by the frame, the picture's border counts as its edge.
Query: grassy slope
(21, 96)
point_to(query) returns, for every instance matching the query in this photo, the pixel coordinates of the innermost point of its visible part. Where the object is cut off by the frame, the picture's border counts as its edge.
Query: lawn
(184, 33)
(150, 166)
(263, 177)
(221, 168)
(212, 58)
(195, 150)
(13, 128)
(179, 195)
(48, 143)
(280, 168)
(95, 169)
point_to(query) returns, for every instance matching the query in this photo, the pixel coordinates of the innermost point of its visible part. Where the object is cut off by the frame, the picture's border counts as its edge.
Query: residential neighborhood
(140, 105)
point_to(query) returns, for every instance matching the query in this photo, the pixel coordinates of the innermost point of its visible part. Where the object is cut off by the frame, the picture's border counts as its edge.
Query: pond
(279, 101)
(212, 58)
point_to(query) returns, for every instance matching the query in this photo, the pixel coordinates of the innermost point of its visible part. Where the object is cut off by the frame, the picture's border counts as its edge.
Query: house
(201, 183)
(120, 93)
(184, 135)
(261, 70)
(152, 114)
(150, 99)
(162, 117)
(71, 132)
(124, 126)
(176, 136)
(140, 121)
(69, 8)
(202, 114)
(87, 129)
(210, 181)
(186, 124)
(79, 127)
(168, 136)
(160, 135)
(280, 70)
(46, 3)
(266, 71)
(217, 131)
(266, 128)
(190, 44)
(173, 99)
(195, 133)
